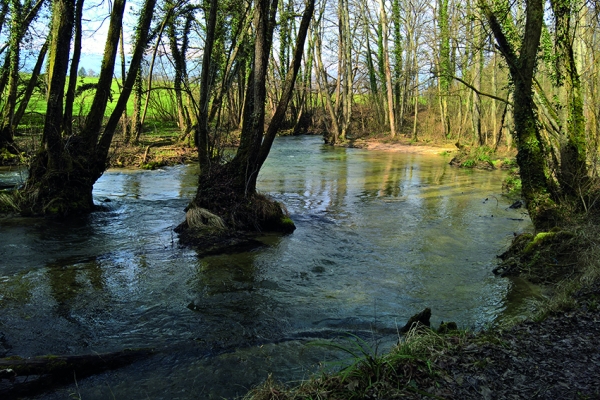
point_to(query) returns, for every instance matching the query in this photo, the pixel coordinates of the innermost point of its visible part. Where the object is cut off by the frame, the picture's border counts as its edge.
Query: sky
(95, 29)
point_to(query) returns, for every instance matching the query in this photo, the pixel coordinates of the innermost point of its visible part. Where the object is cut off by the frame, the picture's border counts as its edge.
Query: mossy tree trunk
(573, 169)
(550, 184)
(226, 199)
(445, 64)
(538, 188)
(73, 75)
(62, 174)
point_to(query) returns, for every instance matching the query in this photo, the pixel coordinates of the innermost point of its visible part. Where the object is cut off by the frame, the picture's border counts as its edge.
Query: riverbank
(557, 358)
(159, 150)
(154, 152)
(553, 354)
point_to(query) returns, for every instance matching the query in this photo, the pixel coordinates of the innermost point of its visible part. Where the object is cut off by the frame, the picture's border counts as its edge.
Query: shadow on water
(379, 237)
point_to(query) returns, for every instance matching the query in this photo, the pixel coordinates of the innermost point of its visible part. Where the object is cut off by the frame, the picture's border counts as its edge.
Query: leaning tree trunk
(538, 189)
(22, 16)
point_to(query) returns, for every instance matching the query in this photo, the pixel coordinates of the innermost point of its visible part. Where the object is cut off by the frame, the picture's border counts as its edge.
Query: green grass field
(160, 115)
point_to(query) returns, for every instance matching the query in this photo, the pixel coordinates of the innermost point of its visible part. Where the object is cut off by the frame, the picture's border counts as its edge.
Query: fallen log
(51, 370)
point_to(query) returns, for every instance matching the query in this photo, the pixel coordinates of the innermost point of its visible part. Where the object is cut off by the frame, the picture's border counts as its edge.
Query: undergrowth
(483, 157)
(408, 369)
(476, 157)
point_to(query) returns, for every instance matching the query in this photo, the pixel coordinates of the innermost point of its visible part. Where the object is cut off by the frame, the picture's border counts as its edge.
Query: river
(380, 236)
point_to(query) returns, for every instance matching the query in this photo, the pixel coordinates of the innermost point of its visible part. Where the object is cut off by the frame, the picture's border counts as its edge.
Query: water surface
(379, 237)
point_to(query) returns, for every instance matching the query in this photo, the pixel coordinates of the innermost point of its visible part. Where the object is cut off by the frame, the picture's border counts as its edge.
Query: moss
(547, 257)
(287, 224)
(542, 238)
(447, 327)
(9, 202)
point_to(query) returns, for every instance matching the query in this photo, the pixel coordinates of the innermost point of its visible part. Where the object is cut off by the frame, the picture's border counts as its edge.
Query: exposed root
(202, 219)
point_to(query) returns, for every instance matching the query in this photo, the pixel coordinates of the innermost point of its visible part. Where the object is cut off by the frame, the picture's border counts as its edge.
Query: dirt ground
(558, 358)
(405, 147)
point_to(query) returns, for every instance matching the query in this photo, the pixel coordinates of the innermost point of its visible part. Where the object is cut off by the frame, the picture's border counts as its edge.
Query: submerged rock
(446, 327)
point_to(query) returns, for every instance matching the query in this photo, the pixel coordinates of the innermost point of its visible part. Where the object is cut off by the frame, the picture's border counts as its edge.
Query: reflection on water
(379, 237)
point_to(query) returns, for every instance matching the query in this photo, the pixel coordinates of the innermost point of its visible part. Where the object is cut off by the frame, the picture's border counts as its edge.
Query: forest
(219, 81)
(485, 76)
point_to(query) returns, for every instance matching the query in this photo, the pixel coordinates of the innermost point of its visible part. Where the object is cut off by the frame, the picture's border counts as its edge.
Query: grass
(9, 202)
(482, 157)
(368, 374)
(161, 107)
(512, 182)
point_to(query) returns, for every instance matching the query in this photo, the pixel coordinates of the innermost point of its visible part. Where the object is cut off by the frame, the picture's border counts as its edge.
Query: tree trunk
(388, 71)
(202, 142)
(538, 190)
(21, 17)
(70, 96)
(61, 177)
(35, 74)
(52, 370)
(226, 199)
(573, 169)
(445, 69)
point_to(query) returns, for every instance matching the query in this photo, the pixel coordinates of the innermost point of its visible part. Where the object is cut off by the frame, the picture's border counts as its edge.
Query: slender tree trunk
(322, 85)
(7, 129)
(414, 132)
(202, 117)
(124, 119)
(388, 71)
(494, 107)
(445, 69)
(136, 119)
(348, 94)
(31, 85)
(70, 96)
(21, 17)
(151, 69)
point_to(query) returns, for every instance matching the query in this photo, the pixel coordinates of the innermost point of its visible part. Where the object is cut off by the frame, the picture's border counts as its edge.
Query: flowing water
(380, 236)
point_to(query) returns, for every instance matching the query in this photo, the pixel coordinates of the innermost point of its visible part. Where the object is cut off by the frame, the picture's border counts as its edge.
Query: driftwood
(40, 373)
(419, 319)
